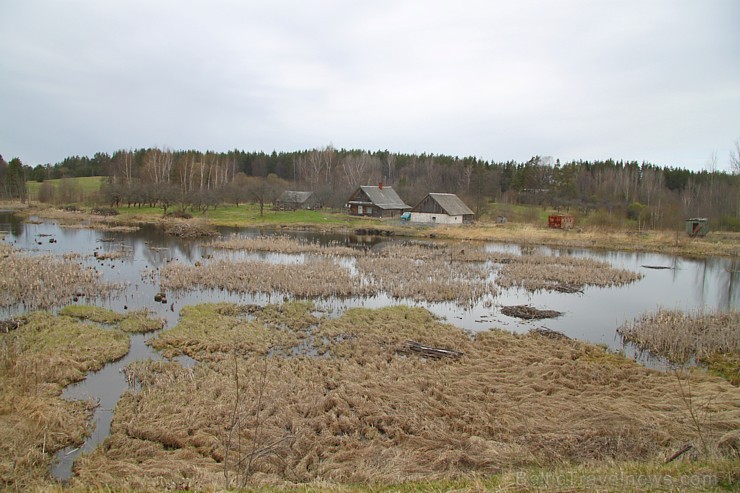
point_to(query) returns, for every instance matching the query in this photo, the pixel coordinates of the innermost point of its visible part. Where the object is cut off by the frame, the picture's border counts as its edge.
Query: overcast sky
(645, 80)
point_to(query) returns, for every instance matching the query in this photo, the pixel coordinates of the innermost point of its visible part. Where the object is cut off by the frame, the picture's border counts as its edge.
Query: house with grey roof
(291, 200)
(376, 201)
(442, 208)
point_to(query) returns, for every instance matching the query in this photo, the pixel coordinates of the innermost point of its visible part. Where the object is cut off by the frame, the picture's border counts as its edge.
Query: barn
(291, 200)
(376, 201)
(442, 208)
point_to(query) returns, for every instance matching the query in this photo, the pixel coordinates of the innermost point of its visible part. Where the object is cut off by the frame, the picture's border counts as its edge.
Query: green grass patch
(725, 365)
(85, 184)
(92, 313)
(139, 322)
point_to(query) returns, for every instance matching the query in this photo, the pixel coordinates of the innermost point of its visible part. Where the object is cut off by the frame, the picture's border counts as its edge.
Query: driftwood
(657, 267)
(428, 351)
(549, 333)
(528, 313)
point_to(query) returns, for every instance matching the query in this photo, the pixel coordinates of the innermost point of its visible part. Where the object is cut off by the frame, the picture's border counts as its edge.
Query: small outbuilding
(561, 221)
(376, 201)
(698, 226)
(442, 208)
(291, 200)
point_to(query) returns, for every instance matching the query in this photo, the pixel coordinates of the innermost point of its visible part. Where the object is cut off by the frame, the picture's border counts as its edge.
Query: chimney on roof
(380, 185)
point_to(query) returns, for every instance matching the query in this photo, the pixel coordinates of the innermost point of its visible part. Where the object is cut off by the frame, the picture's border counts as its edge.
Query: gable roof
(385, 198)
(294, 197)
(451, 204)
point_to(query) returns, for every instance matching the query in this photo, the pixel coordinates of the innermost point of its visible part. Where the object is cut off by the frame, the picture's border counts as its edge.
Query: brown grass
(409, 270)
(36, 362)
(678, 336)
(369, 414)
(44, 281)
(281, 244)
(559, 273)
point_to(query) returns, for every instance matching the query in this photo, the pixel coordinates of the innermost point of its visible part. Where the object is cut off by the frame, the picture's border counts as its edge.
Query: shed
(291, 200)
(561, 221)
(698, 226)
(442, 208)
(376, 201)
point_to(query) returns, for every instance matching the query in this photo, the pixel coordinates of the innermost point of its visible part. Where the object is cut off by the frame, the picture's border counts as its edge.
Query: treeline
(654, 196)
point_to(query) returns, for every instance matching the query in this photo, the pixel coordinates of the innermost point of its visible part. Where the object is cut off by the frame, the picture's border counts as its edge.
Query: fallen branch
(431, 352)
(678, 454)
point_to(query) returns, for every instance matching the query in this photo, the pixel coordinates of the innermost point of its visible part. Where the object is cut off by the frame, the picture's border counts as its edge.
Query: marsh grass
(92, 313)
(281, 244)
(372, 416)
(710, 337)
(560, 273)
(137, 321)
(44, 281)
(415, 270)
(36, 362)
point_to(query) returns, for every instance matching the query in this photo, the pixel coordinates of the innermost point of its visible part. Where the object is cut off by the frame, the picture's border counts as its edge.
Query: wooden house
(442, 208)
(376, 201)
(291, 200)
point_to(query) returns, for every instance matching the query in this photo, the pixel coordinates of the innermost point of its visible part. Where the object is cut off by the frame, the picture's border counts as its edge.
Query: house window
(434, 219)
(369, 210)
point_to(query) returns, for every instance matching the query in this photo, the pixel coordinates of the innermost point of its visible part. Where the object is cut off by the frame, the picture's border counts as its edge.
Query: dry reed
(559, 273)
(368, 414)
(678, 335)
(314, 278)
(44, 281)
(410, 270)
(281, 244)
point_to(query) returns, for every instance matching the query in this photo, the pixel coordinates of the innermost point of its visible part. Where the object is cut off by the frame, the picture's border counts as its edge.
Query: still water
(593, 315)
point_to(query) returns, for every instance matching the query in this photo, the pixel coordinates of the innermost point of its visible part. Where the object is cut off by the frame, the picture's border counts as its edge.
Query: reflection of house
(442, 208)
(291, 201)
(375, 201)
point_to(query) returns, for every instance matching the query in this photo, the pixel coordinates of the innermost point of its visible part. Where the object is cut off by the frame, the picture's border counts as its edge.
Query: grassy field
(86, 184)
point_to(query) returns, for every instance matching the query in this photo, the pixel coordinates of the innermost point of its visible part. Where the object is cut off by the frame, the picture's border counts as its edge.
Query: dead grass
(281, 244)
(559, 273)
(370, 415)
(410, 270)
(43, 281)
(314, 278)
(678, 336)
(36, 362)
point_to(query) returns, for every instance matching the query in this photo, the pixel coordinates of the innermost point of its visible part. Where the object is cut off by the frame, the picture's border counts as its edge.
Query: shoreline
(673, 243)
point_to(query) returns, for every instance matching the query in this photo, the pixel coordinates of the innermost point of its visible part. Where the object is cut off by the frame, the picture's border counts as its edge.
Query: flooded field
(133, 262)
(584, 295)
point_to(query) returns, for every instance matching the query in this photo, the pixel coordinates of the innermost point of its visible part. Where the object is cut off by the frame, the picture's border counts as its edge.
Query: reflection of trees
(9, 222)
